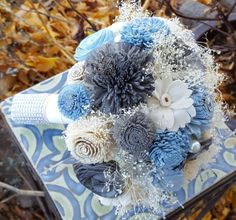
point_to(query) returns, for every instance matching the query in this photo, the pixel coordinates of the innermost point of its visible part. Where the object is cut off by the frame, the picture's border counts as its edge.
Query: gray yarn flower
(118, 75)
(134, 134)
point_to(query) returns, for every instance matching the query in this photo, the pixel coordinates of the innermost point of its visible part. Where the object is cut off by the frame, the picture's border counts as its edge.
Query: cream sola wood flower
(89, 140)
(171, 106)
(76, 73)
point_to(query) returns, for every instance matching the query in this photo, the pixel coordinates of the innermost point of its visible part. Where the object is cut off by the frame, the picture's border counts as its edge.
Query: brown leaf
(6, 83)
(234, 200)
(43, 64)
(208, 216)
(24, 78)
(206, 2)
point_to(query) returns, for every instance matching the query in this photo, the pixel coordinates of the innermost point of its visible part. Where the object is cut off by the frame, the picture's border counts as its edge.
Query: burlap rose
(89, 140)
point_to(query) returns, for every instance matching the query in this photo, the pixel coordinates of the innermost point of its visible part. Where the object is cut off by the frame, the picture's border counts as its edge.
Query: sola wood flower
(119, 77)
(171, 105)
(170, 149)
(134, 133)
(204, 105)
(96, 40)
(89, 140)
(142, 32)
(74, 101)
(76, 73)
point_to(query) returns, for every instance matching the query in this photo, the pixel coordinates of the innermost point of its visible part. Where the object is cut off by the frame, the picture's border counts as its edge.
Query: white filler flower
(124, 199)
(171, 105)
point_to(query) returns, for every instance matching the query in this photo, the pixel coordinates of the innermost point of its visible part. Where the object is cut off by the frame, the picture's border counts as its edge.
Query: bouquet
(140, 103)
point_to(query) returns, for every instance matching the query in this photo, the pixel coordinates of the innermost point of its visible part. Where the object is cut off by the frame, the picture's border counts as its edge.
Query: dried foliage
(224, 209)
(38, 38)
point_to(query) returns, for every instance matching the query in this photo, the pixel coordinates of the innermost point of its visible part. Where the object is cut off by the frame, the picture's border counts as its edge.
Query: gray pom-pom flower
(134, 133)
(119, 77)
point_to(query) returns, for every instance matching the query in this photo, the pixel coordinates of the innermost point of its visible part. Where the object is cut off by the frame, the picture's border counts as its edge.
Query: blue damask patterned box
(46, 151)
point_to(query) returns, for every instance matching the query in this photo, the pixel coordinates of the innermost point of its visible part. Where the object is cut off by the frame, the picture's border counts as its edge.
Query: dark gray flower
(134, 133)
(118, 75)
(103, 179)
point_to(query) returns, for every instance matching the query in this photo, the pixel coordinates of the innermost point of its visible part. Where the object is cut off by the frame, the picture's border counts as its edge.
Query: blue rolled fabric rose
(74, 101)
(92, 42)
(170, 149)
(141, 32)
(204, 106)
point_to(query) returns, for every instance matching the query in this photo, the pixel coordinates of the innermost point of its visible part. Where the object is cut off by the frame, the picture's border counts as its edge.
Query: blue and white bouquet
(140, 103)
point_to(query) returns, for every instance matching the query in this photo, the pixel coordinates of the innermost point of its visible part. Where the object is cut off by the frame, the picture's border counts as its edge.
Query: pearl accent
(196, 147)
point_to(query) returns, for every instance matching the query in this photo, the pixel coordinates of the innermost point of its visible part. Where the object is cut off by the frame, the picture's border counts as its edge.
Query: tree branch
(38, 199)
(146, 5)
(63, 51)
(224, 18)
(9, 198)
(216, 29)
(82, 16)
(180, 14)
(46, 15)
(231, 10)
(21, 192)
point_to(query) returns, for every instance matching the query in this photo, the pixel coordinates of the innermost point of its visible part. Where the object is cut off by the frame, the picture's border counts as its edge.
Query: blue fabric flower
(170, 149)
(92, 42)
(103, 179)
(169, 180)
(74, 101)
(204, 105)
(141, 32)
